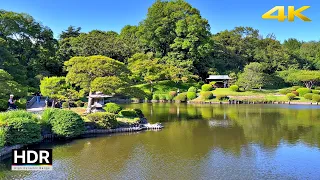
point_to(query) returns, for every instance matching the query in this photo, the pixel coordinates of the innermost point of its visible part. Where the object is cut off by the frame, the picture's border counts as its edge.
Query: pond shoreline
(5, 152)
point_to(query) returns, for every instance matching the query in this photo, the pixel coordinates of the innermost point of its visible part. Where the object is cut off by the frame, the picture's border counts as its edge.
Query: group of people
(11, 101)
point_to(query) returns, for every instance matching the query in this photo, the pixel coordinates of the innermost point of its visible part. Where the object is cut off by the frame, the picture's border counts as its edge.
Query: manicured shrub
(206, 95)
(316, 98)
(294, 88)
(234, 88)
(112, 108)
(303, 91)
(317, 88)
(103, 120)
(169, 98)
(65, 105)
(17, 114)
(182, 97)
(192, 89)
(308, 96)
(291, 96)
(79, 103)
(295, 92)
(191, 95)
(316, 91)
(162, 97)
(128, 113)
(221, 97)
(46, 116)
(67, 123)
(155, 97)
(22, 130)
(212, 83)
(139, 112)
(206, 87)
(284, 91)
(172, 94)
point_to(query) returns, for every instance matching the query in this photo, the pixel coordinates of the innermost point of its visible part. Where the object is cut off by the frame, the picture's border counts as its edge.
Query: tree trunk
(53, 103)
(89, 103)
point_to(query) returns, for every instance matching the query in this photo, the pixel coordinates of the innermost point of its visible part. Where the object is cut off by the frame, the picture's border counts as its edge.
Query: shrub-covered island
(22, 127)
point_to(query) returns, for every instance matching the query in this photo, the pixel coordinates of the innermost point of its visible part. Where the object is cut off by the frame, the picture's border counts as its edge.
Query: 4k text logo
(292, 13)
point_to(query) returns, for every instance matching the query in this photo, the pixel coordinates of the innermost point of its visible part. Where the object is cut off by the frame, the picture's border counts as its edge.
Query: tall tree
(252, 76)
(96, 73)
(307, 77)
(70, 32)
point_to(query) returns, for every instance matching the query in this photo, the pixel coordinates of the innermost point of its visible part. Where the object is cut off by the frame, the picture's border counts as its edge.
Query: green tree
(70, 32)
(307, 77)
(96, 73)
(54, 88)
(252, 76)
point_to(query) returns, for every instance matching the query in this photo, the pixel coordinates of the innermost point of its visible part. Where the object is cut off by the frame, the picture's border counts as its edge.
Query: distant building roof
(218, 77)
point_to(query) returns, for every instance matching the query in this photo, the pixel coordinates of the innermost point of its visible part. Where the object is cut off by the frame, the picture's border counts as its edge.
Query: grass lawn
(163, 87)
(228, 92)
(127, 120)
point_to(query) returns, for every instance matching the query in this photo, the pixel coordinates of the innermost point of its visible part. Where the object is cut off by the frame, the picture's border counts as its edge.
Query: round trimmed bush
(284, 91)
(103, 120)
(291, 96)
(212, 83)
(316, 91)
(234, 88)
(128, 113)
(221, 97)
(169, 98)
(192, 89)
(155, 97)
(182, 97)
(303, 91)
(22, 130)
(206, 95)
(206, 87)
(3, 132)
(173, 93)
(295, 92)
(294, 88)
(67, 123)
(191, 95)
(65, 105)
(308, 96)
(112, 108)
(316, 98)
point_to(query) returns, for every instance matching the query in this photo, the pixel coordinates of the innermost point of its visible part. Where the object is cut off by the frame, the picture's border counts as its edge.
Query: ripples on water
(198, 142)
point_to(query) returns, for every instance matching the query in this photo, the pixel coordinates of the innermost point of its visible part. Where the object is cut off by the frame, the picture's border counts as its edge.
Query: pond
(198, 142)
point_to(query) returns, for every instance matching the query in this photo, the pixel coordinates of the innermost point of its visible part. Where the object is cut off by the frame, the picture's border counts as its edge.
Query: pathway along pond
(198, 142)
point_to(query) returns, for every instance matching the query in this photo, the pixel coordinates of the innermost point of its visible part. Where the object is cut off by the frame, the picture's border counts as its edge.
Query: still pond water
(198, 142)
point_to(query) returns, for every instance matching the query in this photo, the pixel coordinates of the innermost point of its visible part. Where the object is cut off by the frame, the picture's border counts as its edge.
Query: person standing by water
(11, 102)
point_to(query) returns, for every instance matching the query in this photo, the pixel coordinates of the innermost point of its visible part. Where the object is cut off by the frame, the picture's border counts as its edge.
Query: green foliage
(291, 96)
(316, 98)
(155, 97)
(2, 136)
(65, 105)
(21, 103)
(252, 76)
(46, 117)
(112, 108)
(284, 91)
(192, 89)
(172, 94)
(139, 112)
(206, 87)
(317, 88)
(3, 104)
(206, 95)
(133, 92)
(294, 88)
(103, 120)
(162, 97)
(307, 77)
(295, 92)
(316, 91)
(128, 113)
(182, 97)
(234, 88)
(303, 91)
(212, 83)
(67, 123)
(221, 97)
(79, 103)
(191, 95)
(17, 114)
(308, 96)
(22, 130)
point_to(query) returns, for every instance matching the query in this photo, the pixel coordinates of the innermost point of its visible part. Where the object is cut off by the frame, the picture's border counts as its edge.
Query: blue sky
(221, 14)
